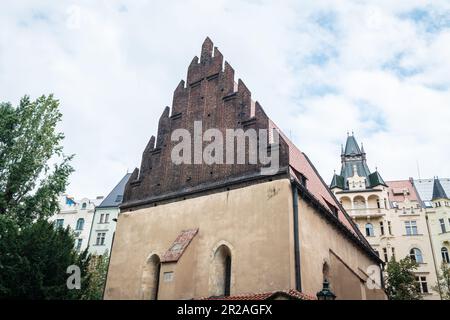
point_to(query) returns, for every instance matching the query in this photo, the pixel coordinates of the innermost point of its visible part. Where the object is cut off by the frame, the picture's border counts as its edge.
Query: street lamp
(325, 293)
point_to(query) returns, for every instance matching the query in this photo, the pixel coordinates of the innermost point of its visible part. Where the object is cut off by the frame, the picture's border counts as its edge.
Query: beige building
(437, 206)
(389, 214)
(214, 230)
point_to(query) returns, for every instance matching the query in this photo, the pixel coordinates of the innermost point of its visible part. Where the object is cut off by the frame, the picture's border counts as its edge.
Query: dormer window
(333, 208)
(83, 206)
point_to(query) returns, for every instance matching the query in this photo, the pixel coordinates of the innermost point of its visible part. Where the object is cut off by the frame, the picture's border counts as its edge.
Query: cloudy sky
(318, 68)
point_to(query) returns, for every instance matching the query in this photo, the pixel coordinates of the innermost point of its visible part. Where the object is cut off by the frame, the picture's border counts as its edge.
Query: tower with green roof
(355, 173)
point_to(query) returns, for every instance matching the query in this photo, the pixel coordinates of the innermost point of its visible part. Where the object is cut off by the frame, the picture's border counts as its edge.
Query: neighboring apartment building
(409, 217)
(206, 230)
(435, 196)
(389, 214)
(78, 215)
(105, 217)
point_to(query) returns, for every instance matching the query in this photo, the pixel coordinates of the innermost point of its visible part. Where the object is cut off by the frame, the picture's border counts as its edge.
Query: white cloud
(319, 69)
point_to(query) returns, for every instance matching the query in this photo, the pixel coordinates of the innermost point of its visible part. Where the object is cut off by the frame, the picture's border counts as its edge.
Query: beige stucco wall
(256, 223)
(321, 242)
(253, 221)
(438, 238)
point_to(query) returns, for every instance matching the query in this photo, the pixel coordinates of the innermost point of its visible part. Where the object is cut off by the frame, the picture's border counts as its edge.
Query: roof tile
(292, 294)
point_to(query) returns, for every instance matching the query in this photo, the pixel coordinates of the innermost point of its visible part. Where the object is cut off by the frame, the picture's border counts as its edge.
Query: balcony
(366, 212)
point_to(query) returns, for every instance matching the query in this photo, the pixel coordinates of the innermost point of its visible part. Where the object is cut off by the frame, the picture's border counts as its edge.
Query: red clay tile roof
(179, 245)
(290, 294)
(317, 187)
(396, 191)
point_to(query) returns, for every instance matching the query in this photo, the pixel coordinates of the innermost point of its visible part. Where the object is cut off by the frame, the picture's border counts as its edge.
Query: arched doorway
(221, 272)
(150, 278)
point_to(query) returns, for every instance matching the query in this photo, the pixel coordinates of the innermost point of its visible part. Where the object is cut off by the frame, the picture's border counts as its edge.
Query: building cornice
(203, 189)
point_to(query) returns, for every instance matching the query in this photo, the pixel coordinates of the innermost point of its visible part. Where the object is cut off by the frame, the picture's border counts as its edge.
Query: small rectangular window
(59, 223)
(421, 284)
(442, 223)
(385, 254)
(168, 276)
(100, 241)
(107, 218)
(79, 243)
(381, 228)
(102, 217)
(411, 228)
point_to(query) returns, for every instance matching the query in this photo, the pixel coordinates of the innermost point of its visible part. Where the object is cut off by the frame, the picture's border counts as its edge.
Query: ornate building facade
(78, 216)
(390, 214)
(212, 229)
(434, 194)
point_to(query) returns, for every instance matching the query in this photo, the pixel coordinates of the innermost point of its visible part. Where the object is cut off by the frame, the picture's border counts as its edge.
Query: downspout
(433, 254)
(298, 277)
(92, 225)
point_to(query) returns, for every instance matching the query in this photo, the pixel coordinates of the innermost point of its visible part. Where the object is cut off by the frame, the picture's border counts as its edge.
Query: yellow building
(389, 214)
(206, 230)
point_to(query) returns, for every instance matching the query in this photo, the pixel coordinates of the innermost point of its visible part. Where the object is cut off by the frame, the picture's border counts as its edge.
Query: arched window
(150, 278)
(369, 230)
(221, 272)
(359, 202)
(444, 253)
(416, 255)
(83, 206)
(80, 224)
(227, 276)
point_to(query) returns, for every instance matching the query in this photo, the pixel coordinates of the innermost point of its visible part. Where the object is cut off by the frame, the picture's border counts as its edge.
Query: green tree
(98, 269)
(34, 259)
(29, 187)
(400, 280)
(443, 283)
(34, 255)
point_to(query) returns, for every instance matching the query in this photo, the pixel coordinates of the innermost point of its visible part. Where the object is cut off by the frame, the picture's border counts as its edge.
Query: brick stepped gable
(210, 95)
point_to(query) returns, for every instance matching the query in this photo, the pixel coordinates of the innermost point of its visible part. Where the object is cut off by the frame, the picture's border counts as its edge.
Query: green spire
(337, 182)
(351, 146)
(438, 190)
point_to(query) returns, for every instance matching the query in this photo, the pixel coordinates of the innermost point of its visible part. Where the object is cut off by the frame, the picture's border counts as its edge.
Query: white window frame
(100, 240)
(442, 224)
(417, 254)
(411, 228)
(421, 283)
(445, 255)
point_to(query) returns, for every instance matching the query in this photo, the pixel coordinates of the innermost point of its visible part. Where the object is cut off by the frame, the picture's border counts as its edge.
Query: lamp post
(325, 293)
